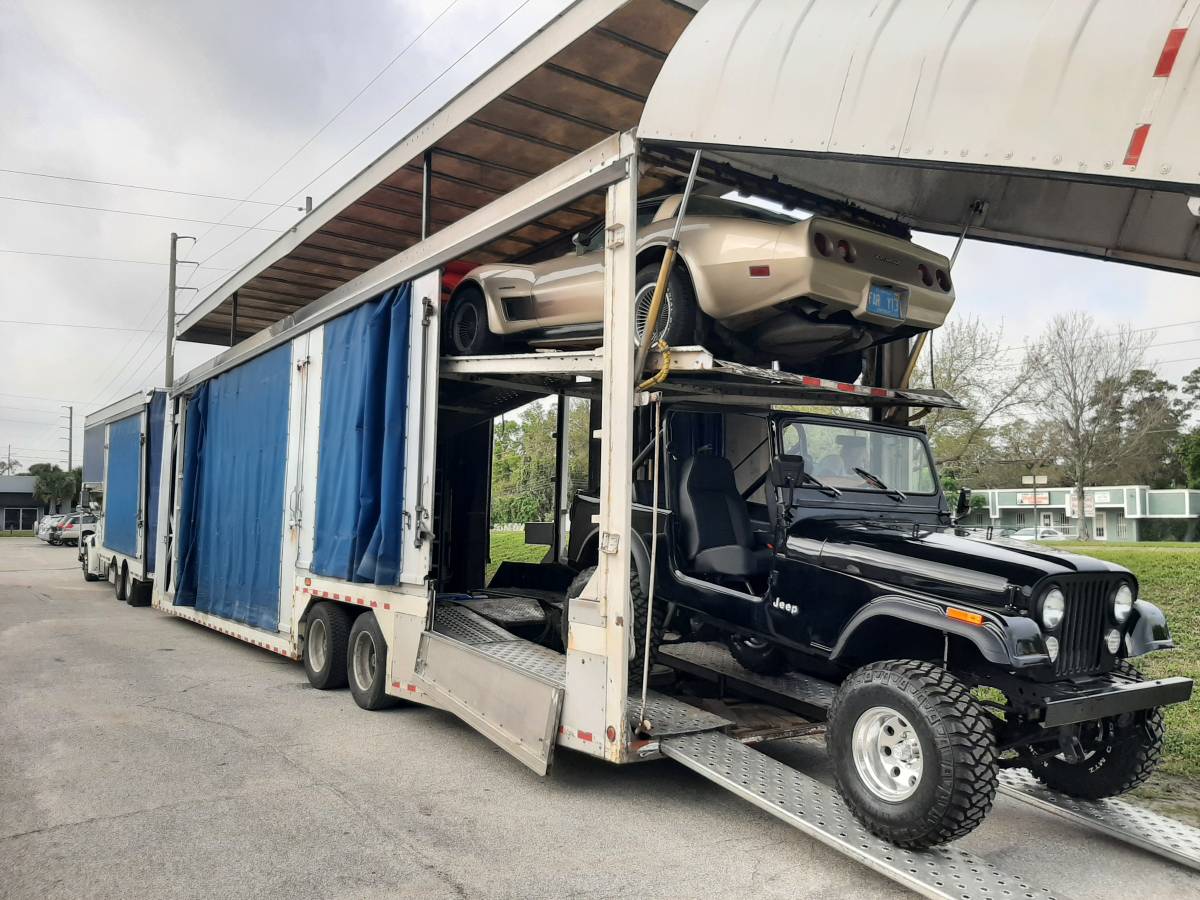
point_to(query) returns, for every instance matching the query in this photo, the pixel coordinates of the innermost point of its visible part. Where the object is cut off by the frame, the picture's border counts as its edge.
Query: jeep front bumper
(1114, 699)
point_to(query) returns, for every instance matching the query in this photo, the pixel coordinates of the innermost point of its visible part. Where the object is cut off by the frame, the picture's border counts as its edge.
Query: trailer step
(788, 794)
(811, 697)
(1124, 821)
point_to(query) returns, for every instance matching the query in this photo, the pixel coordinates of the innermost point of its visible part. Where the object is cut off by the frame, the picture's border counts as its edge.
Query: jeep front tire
(912, 752)
(1120, 753)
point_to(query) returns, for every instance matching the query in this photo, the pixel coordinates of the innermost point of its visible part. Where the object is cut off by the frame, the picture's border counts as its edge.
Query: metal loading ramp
(1130, 824)
(816, 810)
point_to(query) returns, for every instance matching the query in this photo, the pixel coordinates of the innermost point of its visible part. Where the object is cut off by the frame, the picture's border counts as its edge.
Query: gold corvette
(762, 286)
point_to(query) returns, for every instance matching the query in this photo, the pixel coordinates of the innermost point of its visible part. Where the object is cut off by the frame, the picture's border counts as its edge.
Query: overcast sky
(212, 98)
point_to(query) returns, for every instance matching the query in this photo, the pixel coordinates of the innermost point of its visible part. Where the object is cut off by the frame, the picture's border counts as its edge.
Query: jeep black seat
(717, 536)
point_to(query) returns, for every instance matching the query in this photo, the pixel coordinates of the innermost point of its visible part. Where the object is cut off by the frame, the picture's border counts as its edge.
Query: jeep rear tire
(1121, 753)
(912, 752)
(640, 604)
(758, 655)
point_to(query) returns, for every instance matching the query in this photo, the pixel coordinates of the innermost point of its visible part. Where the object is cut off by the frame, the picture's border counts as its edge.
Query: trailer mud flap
(516, 710)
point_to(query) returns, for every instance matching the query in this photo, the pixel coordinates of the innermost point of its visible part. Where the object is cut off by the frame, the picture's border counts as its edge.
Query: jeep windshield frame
(899, 457)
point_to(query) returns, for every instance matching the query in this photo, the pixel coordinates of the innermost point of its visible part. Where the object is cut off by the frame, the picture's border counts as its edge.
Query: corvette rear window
(717, 206)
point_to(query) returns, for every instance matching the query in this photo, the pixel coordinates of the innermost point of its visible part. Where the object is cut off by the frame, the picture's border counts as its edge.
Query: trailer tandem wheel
(325, 644)
(367, 664)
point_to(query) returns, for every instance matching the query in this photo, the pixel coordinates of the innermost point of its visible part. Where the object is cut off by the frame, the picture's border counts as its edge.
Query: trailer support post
(616, 457)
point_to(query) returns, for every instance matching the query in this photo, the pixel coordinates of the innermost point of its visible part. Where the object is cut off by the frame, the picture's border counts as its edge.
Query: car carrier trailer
(321, 492)
(122, 454)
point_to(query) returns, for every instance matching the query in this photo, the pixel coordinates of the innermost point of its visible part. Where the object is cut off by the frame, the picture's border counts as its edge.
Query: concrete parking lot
(144, 756)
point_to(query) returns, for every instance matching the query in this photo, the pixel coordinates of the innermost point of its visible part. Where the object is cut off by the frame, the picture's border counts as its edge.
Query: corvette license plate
(884, 301)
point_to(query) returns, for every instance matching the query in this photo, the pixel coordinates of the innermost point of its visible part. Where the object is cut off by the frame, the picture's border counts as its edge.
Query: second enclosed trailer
(121, 459)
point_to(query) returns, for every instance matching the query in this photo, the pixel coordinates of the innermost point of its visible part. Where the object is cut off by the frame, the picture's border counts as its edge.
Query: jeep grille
(1081, 635)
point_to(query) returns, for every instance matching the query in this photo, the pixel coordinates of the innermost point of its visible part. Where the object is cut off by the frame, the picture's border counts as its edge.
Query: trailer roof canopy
(1060, 125)
(1057, 125)
(582, 78)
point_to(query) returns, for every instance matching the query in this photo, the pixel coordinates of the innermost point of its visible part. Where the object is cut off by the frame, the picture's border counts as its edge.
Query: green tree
(54, 486)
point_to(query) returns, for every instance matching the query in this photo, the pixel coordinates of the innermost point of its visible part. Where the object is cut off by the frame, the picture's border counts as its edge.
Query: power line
(333, 119)
(135, 262)
(1016, 347)
(140, 187)
(69, 325)
(130, 212)
(36, 397)
(382, 124)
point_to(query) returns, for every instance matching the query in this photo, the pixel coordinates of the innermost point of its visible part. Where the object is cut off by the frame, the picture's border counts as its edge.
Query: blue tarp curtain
(121, 490)
(154, 434)
(231, 508)
(360, 471)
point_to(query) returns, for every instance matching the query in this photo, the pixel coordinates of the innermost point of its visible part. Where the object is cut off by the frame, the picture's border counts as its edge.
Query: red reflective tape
(810, 381)
(387, 606)
(373, 604)
(1137, 143)
(337, 597)
(412, 688)
(1170, 50)
(878, 392)
(585, 735)
(842, 386)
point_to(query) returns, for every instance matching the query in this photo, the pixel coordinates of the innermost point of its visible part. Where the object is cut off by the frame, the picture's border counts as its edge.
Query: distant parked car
(44, 526)
(72, 529)
(1038, 534)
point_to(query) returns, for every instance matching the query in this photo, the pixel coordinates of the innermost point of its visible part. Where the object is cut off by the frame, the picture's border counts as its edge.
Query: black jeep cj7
(825, 545)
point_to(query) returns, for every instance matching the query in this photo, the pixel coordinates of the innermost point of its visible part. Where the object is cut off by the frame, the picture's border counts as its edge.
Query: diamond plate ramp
(1126, 822)
(788, 794)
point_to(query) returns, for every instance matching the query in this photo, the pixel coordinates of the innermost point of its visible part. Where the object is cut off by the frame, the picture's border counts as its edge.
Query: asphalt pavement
(145, 756)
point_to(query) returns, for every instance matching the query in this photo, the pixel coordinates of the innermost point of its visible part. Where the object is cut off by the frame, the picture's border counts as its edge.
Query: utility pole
(172, 290)
(70, 435)
(169, 366)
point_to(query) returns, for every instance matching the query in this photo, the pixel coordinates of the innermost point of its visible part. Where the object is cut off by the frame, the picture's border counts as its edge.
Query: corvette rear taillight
(846, 251)
(821, 243)
(943, 280)
(926, 275)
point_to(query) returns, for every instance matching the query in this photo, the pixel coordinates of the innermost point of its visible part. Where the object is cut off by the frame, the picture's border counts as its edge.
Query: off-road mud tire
(958, 750)
(640, 604)
(1126, 760)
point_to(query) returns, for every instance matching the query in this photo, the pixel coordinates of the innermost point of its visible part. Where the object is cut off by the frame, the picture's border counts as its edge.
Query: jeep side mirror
(580, 245)
(963, 506)
(786, 473)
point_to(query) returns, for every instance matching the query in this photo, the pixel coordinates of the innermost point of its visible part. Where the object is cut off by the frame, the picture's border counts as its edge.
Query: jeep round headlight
(1054, 606)
(1122, 603)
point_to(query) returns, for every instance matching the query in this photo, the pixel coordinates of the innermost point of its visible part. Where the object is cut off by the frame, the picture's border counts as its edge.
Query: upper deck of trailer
(860, 110)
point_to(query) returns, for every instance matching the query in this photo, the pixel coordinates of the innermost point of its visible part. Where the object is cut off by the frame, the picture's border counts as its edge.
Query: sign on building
(1089, 506)
(1033, 499)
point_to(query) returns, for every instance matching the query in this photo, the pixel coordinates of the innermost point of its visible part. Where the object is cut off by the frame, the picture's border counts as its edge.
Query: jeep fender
(1014, 642)
(1148, 631)
(638, 550)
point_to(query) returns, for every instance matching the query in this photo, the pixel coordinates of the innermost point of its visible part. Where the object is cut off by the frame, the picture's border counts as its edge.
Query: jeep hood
(929, 560)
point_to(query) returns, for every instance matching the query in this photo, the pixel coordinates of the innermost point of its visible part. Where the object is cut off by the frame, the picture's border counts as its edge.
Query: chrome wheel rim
(318, 637)
(641, 312)
(887, 754)
(364, 661)
(466, 325)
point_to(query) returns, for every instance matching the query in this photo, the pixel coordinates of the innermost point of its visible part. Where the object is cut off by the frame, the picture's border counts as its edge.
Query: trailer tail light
(943, 280)
(926, 275)
(821, 243)
(846, 251)
(760, 271)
